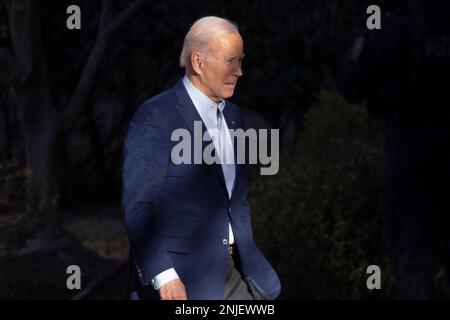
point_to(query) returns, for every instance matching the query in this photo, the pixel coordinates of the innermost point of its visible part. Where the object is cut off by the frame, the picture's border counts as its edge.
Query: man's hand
(173, 290)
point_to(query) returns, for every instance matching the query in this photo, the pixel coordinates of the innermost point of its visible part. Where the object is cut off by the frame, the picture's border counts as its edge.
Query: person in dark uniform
(403, 70)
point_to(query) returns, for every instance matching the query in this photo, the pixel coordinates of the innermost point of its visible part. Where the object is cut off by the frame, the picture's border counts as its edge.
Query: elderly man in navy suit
(189, 224)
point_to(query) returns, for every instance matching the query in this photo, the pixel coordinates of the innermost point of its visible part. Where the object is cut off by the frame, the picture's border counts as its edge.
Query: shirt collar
(206, 107)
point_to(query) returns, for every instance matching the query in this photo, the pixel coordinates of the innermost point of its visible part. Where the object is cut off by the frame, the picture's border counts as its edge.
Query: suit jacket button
(225, 241)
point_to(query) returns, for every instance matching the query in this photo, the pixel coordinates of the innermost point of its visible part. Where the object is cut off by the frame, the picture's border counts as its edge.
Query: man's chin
(228, 94)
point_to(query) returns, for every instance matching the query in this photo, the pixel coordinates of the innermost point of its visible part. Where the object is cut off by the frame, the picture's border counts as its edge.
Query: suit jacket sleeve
(145, 159)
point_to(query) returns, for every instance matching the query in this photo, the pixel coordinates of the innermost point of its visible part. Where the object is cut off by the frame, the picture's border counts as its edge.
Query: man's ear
(197, 63)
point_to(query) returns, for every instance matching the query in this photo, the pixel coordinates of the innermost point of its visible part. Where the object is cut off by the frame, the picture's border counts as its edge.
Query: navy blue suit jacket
(177, 215)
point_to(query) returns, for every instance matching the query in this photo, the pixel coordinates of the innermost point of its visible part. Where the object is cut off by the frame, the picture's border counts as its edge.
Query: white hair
(202, 33)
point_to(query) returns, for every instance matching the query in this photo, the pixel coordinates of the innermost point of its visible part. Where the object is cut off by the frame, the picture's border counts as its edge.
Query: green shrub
(12, 205)
(12, 185)
(318, 218)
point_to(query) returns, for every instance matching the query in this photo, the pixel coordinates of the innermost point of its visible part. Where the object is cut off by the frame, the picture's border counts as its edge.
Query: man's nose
(238, 71)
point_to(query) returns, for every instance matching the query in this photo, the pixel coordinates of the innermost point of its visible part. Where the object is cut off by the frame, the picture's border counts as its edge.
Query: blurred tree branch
(46, 127)
(8, 72)
(78, 100)
(26, 41)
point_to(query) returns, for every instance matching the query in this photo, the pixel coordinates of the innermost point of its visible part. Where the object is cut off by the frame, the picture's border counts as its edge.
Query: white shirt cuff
(163, 278)
(231, 235)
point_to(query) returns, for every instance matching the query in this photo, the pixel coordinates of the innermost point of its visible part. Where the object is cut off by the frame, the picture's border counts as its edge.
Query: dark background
(66, 97)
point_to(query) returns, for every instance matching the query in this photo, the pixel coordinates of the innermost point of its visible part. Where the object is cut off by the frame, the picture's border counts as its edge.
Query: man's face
(222, 67)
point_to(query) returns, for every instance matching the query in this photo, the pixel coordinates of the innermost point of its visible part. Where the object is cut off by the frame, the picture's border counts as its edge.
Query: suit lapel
(189, 113)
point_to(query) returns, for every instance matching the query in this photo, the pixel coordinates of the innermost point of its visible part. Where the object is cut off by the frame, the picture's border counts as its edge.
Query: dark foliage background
(317, 220)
